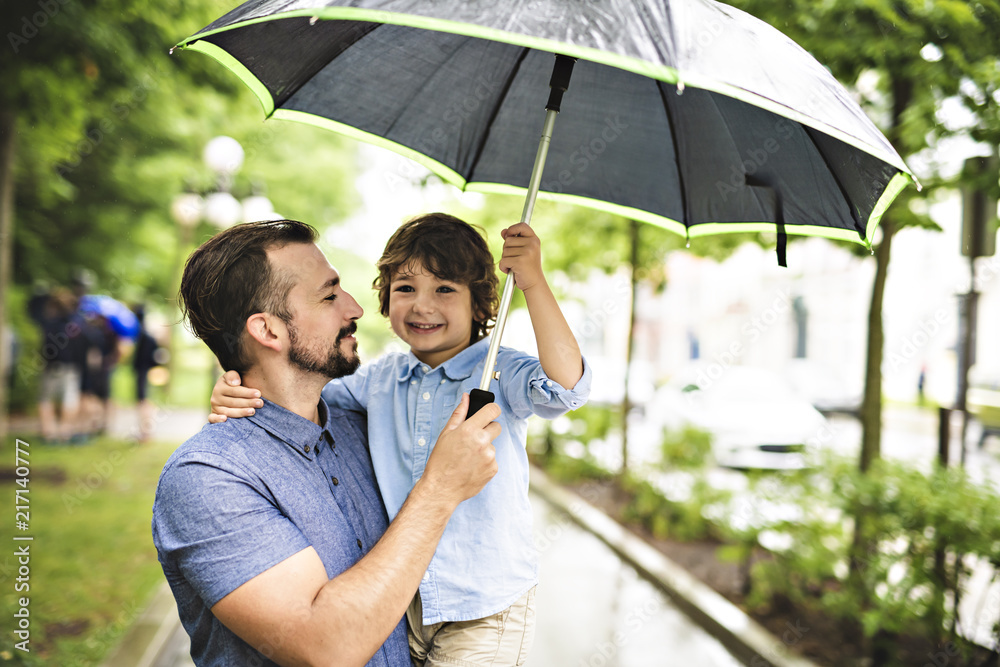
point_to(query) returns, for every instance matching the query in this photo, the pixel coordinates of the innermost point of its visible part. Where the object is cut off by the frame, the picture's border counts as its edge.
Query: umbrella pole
(561, 72)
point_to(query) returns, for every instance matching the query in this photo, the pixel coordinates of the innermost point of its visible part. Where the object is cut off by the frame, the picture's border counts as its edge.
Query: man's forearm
(366, 602)
(302, 617)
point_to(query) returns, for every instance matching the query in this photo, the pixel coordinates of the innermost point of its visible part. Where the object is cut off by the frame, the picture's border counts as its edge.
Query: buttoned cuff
(545, 391)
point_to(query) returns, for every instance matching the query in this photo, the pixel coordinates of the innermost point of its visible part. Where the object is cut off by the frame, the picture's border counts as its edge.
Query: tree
(609, 244)
(918, 54)
(109, 127)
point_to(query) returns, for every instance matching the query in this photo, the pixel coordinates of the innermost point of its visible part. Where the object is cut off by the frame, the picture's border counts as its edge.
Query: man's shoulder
(230, 441)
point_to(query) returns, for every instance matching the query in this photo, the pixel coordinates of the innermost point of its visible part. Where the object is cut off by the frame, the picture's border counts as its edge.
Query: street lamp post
(224, 157)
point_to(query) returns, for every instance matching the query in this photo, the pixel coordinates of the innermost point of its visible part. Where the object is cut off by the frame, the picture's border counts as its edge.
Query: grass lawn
(92, 562)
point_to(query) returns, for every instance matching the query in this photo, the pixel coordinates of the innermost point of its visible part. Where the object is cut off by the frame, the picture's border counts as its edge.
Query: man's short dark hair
(229, 278)
(450, 249)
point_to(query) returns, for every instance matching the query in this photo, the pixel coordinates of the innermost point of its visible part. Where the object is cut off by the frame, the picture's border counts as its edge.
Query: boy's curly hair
(450, 249)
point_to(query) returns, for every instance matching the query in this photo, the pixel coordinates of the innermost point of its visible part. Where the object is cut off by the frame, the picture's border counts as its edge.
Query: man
(270, 529)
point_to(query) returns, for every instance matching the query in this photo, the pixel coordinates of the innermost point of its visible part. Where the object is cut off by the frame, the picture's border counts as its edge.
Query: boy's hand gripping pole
(559, 83)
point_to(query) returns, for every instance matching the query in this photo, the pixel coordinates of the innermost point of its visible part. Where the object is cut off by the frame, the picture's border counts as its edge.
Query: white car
(755, 418)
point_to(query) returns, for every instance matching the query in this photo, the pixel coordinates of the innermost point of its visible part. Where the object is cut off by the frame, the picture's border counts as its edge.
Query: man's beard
(333, 364)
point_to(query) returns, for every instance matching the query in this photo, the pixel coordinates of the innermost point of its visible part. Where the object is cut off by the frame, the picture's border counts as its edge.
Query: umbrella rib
(677, 155)
(493, 113)
(858, 226)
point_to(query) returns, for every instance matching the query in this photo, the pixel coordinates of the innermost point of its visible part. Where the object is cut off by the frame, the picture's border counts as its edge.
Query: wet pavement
(593, 610)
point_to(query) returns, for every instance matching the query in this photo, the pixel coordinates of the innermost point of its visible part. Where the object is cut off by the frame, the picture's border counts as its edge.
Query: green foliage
(679, 519)
(917, 525)
(569, 470)
(686, 449)
(110, 127)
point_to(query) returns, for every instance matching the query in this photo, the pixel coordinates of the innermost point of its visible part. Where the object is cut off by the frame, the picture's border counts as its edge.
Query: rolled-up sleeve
(218, 528)
(529, 391)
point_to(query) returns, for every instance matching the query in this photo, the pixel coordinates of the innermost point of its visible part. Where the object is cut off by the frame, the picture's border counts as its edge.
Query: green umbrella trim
(451, 176)
(642, 67)
(895, 186)
(671, 225)
(441, 169)
(240, 70)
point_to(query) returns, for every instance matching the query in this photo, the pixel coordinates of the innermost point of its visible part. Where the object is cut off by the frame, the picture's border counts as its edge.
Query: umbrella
(120, 318)
(688, 114)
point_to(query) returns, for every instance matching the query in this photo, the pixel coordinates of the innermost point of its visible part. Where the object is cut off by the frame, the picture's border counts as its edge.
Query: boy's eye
(403, 288)
(445, 289)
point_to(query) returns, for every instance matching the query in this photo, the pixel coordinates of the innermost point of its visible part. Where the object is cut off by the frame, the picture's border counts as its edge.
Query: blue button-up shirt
(242, 496)
(486, 559)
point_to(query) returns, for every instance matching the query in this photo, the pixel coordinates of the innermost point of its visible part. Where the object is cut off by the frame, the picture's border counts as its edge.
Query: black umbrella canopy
(688, 114)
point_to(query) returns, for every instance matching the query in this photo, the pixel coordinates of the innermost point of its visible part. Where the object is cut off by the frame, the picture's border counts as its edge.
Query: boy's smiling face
(431, 315)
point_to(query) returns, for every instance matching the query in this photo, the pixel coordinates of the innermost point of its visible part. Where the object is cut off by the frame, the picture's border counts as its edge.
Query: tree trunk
(633, 232)
(871, 407)
(7, 127)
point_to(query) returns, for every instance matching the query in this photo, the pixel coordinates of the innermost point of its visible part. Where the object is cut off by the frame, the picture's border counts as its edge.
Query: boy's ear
(267, 330)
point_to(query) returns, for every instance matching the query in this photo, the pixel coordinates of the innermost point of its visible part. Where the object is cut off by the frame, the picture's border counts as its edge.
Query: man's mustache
(349, 330)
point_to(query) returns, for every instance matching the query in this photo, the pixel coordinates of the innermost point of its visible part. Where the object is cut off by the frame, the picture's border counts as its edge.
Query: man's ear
(267, 330)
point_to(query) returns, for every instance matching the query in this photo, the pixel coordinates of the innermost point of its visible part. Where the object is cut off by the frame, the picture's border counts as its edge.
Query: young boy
(438, 287)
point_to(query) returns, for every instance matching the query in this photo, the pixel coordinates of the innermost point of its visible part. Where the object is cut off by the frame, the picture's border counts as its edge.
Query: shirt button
(427, 576)
(335, 481)
(421, 442)
(359, 544)
(443, 381)
(307, 448)
(426, 368)
(427, 395)
(413, 381)
(548, 383)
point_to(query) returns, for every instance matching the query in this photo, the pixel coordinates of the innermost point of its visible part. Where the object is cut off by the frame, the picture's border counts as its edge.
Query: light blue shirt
(486, 559)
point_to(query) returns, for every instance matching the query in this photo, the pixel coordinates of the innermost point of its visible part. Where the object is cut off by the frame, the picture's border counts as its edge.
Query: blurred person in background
(145, 357)
(103, 355)
(64, 350)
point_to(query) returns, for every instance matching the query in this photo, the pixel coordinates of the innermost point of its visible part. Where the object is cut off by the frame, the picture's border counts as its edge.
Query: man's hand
(522, 256)
(230, 399)
(464, 459)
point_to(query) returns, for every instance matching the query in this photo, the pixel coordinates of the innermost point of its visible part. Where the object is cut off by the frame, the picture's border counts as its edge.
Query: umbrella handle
(559, 84)
(479, 399)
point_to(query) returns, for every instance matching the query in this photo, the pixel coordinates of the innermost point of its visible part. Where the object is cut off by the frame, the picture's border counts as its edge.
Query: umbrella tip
(313, 19)
(680, 87)
(171, 51)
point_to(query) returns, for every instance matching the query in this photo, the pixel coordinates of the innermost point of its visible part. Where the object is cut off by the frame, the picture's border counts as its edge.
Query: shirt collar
(458, 367)
(299, 433)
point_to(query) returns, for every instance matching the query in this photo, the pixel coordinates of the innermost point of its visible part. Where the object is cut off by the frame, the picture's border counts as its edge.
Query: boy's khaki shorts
(500, 640)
